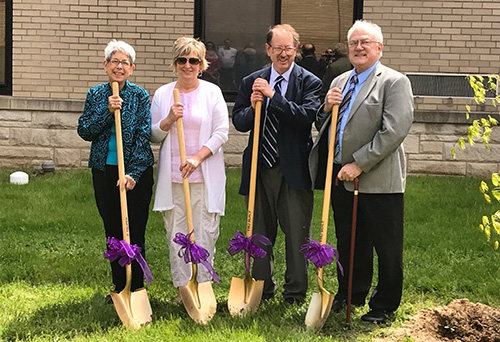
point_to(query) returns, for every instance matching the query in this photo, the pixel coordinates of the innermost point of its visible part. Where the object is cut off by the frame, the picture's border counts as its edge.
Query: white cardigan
(213, 134)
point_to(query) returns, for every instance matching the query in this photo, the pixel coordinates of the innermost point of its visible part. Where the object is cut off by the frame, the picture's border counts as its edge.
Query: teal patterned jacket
(96, 121)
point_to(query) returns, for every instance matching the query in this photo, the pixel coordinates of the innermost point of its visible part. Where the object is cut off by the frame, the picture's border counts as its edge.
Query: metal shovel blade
(244, 295)
(319, 309)
(133, 308)
(199, 300)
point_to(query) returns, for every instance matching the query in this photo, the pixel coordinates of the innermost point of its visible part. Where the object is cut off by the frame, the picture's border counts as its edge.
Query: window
(234, 32)
(5, 47)
(234, 49)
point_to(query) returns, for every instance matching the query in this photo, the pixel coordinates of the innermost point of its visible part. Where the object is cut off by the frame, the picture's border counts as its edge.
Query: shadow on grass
(67, 320)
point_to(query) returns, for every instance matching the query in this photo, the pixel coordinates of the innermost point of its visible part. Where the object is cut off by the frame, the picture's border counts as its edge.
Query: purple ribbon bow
(126, 253)
(194, 253)
(320, 254)
(241, 242)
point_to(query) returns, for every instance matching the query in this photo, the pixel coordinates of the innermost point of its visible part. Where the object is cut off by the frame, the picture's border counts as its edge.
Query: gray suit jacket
(380, 119)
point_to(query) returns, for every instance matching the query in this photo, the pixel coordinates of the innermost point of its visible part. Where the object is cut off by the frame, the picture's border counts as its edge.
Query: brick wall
(320, 22)
(58, 50)
(446, 36)
(58, 45)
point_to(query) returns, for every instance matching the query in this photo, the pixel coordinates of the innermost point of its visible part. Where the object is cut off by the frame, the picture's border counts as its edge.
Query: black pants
(277, 203)
(379, 227)
(107, 197)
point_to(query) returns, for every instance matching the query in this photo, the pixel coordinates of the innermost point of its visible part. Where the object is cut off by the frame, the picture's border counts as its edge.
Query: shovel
(321, 303)
(351, 256)
(245, 294)
(198, 298)
(133, 308)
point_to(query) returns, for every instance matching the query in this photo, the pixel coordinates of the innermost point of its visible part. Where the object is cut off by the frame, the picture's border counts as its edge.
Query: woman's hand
(189, 166)
(128, 184)
(192, 163)
(176, 112)
(114, 103)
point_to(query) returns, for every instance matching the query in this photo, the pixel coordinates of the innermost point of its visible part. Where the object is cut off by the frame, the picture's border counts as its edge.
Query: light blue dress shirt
(361, 80)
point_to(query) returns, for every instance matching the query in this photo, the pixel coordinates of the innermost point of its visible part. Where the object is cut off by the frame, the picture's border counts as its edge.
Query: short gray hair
(367, 26)
(118, 45)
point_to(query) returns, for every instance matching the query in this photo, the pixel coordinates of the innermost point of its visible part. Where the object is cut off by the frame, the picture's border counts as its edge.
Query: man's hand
(261, 85)
(349, 172)
(333, 97)
(255, 97)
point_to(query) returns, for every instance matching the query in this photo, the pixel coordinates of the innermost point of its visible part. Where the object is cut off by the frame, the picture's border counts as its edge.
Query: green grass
(54, 278)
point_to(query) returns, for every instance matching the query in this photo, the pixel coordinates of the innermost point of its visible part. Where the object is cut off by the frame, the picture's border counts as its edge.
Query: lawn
(54, 278)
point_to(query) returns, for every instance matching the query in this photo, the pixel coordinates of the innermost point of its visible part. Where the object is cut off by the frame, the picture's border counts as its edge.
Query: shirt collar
(364, 75)
(274, 74)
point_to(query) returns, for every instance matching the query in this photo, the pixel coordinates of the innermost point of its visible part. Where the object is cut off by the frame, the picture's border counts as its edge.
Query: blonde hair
(184, 46)
(118, 45)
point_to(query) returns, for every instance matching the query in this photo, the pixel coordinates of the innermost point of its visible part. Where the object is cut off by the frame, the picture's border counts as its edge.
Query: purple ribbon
(320, 254)
(241, 242)
(126, 254)
(194, 253)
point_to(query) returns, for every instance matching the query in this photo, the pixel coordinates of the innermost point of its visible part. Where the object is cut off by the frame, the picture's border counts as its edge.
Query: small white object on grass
(19, 177)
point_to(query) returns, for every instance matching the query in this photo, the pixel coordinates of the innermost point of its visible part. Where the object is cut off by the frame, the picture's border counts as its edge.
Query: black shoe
(338, 304)
(294, 301)
(374, 316)
(267, 296)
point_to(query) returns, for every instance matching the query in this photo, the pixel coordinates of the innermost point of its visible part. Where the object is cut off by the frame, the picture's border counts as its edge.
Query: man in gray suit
(375, 115)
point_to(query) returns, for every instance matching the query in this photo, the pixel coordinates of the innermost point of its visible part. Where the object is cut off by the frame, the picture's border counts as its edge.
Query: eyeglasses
(184, 60)
(125, 63)
(363, 42)
(289, 50)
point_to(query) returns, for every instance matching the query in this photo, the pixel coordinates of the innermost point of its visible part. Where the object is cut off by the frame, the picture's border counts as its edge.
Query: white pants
(206, 232)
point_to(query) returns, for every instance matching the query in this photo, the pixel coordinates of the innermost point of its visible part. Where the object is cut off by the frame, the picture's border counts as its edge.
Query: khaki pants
(206, 231)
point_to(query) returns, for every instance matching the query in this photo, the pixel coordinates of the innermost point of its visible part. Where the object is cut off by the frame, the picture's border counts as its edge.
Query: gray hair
(367, 26)
(115, 46)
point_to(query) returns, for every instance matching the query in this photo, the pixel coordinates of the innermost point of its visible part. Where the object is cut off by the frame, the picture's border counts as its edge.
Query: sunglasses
(184, 60)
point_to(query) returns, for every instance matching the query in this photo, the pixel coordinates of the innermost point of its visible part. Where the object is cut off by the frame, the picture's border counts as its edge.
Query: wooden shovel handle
(253, 169)
(185, 182)
(328, 185)
(121, 169)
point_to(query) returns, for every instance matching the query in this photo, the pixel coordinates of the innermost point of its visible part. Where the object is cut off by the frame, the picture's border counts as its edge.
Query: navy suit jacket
(296, 113)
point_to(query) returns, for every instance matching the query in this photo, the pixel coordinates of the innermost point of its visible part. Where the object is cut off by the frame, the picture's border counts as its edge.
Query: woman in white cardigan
(206, 124)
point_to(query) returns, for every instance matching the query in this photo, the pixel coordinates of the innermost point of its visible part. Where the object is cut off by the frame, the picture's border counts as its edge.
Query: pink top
(191, 123)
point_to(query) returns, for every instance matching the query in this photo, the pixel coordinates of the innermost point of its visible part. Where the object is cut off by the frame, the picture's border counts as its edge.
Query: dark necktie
(270, 135)
(342, 108)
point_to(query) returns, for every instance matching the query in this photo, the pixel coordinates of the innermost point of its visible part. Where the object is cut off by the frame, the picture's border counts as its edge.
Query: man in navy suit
(290, 96)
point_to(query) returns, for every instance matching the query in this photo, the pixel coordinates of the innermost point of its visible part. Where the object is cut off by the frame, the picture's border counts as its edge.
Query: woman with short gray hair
(97, 125)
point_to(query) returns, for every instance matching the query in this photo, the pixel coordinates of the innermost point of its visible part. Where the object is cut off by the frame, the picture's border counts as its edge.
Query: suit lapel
(370, 82)
(295, 79)
(266, 74)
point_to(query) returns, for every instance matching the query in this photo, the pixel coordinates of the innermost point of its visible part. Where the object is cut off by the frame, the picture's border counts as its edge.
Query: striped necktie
(342, 108)
(270, 135)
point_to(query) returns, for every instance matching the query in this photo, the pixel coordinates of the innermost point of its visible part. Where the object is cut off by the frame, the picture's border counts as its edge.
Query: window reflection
(236, 52)
(2, 42)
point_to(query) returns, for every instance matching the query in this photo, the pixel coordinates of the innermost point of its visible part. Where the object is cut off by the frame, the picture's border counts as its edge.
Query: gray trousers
(277, 203)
